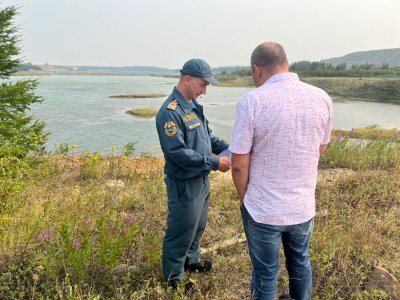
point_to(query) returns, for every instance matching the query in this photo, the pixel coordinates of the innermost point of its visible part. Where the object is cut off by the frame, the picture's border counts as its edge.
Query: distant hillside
(374, 57)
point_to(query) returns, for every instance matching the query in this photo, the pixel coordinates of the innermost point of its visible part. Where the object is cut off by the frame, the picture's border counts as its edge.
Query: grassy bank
(87, 227)
(369, 88)
(153, 95)
(143, 112)
(372, 132)
(229, 80)
(376, 89)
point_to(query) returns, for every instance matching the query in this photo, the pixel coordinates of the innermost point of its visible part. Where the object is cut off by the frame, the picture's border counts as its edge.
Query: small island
(143, 112)
(152, 95)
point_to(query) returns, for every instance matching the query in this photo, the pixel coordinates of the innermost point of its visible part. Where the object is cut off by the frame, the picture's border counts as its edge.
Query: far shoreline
(370, 89)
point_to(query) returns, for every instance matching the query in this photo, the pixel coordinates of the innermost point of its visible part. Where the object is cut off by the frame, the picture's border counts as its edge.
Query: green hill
(374, 57)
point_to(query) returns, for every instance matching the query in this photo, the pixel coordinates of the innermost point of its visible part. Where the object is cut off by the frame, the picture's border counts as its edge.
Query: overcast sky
(166, 33)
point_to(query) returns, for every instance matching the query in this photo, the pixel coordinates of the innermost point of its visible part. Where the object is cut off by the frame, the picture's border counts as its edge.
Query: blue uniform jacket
(186, 139)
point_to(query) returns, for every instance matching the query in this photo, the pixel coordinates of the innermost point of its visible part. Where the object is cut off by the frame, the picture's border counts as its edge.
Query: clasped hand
(224, 164)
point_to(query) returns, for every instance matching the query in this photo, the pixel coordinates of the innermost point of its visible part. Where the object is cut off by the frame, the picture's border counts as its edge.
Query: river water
(77, 110)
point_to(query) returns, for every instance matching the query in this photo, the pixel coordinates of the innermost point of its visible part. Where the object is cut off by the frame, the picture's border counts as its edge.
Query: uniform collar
(286, 76)
(186, 106)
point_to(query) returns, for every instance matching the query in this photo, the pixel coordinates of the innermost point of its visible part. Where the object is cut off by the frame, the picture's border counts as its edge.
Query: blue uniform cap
(198, 68)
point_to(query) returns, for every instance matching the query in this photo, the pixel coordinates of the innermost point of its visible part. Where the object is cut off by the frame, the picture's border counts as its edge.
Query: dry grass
(375, 89)
(87, 198)
(143, 112)
(352, 88)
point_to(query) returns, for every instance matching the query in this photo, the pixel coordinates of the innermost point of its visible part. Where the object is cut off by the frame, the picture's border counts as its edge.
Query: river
(77, 110)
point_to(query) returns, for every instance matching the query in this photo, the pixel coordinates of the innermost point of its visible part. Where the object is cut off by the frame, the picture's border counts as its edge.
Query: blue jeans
(264, 243)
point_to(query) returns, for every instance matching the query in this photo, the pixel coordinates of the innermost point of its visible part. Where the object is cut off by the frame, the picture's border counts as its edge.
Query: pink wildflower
(111, 229)
(87, 220)
(45, 235)
(76, 244)
(130, 220)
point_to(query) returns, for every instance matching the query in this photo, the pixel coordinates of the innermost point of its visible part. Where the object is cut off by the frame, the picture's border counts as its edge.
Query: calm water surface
(77, 110)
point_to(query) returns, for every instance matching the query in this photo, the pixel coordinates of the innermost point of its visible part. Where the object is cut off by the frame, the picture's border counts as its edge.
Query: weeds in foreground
(343, 152)
(90, 226)
(370, 132)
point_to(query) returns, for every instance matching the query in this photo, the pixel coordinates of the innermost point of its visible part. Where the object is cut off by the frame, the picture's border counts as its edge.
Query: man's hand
(224, 164)
(322, 149)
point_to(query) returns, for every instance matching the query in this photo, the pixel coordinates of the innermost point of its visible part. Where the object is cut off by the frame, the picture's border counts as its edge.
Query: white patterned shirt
(282, 124)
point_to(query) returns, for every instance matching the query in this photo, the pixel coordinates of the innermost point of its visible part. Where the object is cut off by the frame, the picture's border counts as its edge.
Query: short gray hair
(269, 55)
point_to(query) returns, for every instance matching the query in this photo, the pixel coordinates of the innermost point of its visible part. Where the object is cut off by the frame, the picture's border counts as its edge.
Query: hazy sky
(166, 33)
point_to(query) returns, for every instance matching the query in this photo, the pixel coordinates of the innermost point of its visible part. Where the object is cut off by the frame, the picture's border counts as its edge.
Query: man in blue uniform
(188, 147)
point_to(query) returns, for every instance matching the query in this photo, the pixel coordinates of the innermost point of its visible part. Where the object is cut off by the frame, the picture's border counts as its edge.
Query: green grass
(143, 112)
(363, 149)
(371, 132)
(371, 88)
(229, 80)
(86, 227)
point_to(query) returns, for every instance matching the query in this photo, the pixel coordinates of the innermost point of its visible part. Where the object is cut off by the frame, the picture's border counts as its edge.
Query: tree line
(321, 69)
(26, 67)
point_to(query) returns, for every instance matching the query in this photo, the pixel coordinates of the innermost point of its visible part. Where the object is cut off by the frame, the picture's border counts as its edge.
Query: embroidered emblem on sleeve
(170, 128)
(172, 105)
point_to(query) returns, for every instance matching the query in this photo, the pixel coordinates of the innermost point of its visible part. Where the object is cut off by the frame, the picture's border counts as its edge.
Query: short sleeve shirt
(282, 124)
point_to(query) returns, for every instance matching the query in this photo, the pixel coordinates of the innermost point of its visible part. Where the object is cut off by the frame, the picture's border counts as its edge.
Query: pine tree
(20, 133)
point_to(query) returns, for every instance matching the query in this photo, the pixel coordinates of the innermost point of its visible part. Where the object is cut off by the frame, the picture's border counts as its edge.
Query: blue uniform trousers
(187, 218)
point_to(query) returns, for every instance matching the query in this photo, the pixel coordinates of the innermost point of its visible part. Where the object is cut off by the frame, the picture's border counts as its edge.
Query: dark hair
(269, 55)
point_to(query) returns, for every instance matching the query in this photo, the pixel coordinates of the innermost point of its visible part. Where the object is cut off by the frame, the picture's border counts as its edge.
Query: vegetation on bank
(372, 132)
(369, 88)
(152, 95)
(143, 112)
(374, 89)
(91, 226)
(26, 67)
(321, 69)
(232, 80)
(364, 82)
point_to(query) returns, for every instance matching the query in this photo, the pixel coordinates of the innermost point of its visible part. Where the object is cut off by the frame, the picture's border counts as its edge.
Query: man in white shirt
(281, 129)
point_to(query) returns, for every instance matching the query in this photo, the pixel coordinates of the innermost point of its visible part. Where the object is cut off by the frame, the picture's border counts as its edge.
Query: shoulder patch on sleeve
(172, 105)
(170, 128)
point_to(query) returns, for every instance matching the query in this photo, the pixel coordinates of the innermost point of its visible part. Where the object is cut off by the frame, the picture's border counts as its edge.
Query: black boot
(202, 266)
